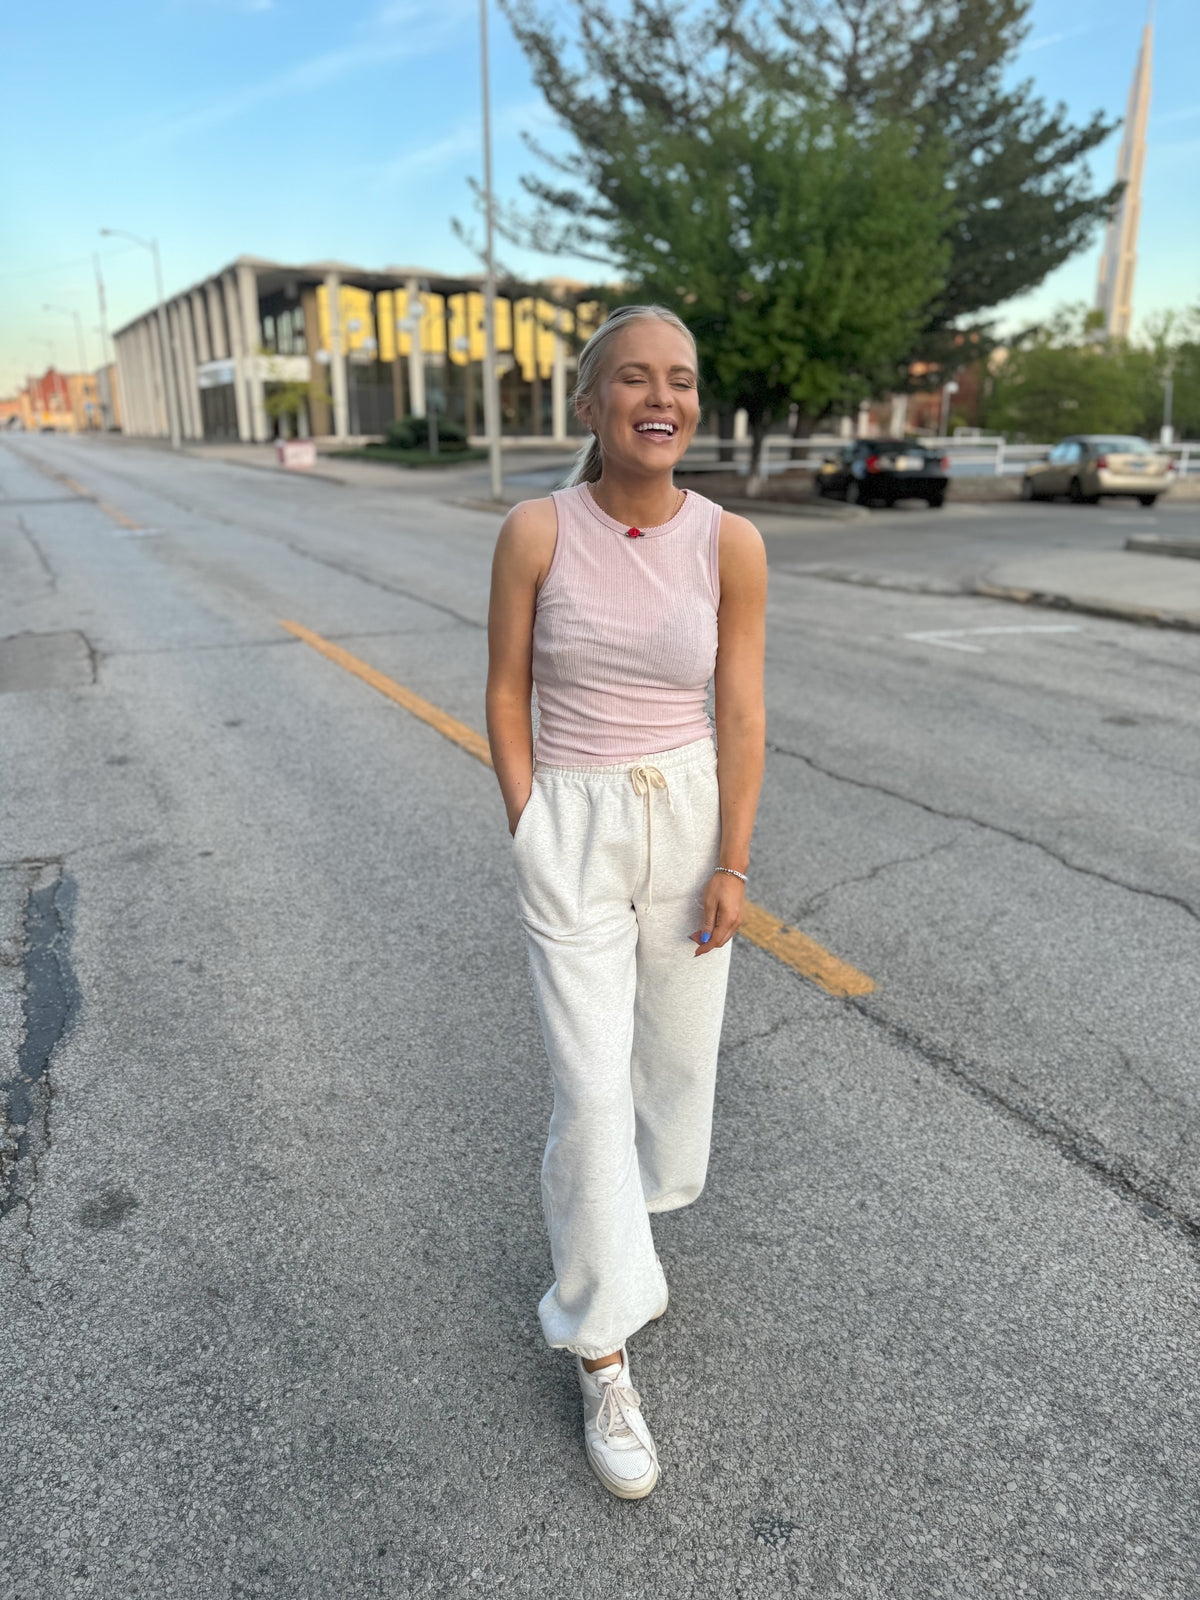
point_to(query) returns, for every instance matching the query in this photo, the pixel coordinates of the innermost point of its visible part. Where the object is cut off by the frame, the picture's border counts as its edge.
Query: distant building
(57, 402)
(332, 350)
(1114, 286)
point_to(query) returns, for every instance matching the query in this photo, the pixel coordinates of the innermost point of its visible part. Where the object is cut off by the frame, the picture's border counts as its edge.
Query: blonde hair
(589, 463)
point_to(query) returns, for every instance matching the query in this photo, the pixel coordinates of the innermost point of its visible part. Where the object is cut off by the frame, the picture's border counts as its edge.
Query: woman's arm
(741, 719)
(524, 550)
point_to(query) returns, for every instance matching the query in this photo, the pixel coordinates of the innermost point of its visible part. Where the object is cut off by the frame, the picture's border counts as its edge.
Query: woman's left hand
(724, 909)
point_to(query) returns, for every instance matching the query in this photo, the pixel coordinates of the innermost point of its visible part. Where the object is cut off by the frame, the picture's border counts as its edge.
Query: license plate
(909, 463)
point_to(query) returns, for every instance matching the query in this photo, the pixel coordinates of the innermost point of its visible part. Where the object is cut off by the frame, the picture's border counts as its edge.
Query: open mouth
(656, 429)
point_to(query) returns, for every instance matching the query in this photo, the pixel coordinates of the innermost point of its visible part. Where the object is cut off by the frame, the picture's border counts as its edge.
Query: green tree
(1024, 201)
(1022, 196)
(1066, 377)
(801, 249)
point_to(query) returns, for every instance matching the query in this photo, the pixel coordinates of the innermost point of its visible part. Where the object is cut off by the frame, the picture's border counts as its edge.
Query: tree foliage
(764, 233)
(1022, 200)
(1066, 377)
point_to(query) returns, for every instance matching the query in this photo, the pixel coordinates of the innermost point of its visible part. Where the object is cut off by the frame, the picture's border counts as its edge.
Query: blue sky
(302, 130)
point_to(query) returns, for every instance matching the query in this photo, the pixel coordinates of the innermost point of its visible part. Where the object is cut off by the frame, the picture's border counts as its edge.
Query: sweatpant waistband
(698, 753)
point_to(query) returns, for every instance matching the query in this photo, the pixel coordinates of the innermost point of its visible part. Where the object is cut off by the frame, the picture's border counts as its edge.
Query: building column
(558, 381)
(337, 357)
(204, 351)
(159, 422)
(247, 282)
(121, 368)
(416, 359)
(318, 408)
(233, 330)
(216, 322)
(189, 407)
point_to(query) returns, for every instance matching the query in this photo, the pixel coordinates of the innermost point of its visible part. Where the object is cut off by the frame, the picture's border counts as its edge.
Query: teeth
(655, 427)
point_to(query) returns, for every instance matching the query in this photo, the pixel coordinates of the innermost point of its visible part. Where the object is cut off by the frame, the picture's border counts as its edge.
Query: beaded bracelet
(735, 872)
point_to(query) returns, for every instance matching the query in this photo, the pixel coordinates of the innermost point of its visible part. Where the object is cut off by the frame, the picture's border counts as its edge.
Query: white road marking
(948, 638)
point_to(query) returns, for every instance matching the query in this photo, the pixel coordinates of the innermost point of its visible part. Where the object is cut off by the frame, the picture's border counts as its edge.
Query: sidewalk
(1108, 583)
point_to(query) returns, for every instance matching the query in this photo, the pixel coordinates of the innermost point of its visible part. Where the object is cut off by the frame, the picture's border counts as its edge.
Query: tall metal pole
(491, 398)
(166, 364)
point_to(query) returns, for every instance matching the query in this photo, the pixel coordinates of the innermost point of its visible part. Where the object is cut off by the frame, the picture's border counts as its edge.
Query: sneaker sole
(618, 1486)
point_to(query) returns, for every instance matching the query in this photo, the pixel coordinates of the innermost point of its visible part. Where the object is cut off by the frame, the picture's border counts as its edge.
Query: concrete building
(261, 349)
(1114, 286)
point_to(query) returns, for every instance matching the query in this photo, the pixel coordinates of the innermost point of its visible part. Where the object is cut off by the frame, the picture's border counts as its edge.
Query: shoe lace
(616, 1402)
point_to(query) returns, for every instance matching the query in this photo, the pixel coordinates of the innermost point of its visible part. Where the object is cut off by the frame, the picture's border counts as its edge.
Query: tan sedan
(1091, 464)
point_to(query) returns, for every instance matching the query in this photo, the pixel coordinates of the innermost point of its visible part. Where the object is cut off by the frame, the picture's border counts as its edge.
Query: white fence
(984, 456)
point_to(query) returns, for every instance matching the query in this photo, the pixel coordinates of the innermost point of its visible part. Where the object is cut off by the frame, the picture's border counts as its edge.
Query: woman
(620, 597)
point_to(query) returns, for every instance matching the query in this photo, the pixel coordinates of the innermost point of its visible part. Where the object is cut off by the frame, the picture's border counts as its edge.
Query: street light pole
(491, 398)
(163, 336)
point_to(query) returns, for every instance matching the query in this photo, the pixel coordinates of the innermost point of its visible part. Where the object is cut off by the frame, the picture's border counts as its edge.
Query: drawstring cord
(645, 780)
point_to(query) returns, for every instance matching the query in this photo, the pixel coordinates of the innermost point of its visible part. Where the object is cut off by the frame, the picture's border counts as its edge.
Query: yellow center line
(770, 933)
(117, 516)
(78, 488)
(449, 727)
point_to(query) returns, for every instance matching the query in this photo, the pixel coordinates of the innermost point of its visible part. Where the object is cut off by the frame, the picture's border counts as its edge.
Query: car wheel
(1147, 499)
(1077, 496)
(853, 495)
(1027, 490)
(937, 501)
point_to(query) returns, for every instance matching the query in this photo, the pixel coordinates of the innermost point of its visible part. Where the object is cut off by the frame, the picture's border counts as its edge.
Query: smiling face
(645, 405)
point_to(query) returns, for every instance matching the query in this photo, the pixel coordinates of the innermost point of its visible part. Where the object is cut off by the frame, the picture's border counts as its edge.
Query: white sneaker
(620, 1450)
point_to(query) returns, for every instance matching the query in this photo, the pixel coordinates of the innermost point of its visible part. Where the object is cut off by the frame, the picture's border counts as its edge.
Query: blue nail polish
(705, 937)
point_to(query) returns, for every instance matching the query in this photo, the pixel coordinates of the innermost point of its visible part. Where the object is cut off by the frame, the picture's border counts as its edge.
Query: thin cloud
(464, 140)
(1048, 39)
(396, 32)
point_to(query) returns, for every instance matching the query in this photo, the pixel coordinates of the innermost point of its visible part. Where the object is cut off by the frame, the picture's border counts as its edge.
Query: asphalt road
(276, 1094)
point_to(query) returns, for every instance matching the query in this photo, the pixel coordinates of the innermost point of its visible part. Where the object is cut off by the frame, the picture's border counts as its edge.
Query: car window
(1059, 453)
(847, 454)
(1126, 445)
(1073, 450)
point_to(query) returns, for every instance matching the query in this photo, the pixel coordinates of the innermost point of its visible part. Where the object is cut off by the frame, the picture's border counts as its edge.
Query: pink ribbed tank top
(625, 633)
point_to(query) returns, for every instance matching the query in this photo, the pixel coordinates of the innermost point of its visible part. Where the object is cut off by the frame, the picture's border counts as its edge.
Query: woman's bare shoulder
(527, 536)
(741, 544)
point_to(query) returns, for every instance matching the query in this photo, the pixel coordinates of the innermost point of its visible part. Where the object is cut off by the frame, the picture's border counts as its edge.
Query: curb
(1121, 610)
(261, 466)
(1159, 544)
(1118, 610)
(820, 510)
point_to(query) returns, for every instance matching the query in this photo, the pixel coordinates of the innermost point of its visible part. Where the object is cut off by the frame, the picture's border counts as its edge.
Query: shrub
(412, 433)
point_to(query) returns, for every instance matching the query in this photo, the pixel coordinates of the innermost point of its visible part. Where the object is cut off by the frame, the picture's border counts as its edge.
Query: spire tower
(1114, 286)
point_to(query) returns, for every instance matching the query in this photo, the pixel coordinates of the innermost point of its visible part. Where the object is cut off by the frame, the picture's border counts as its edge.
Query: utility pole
(164, 340)
(1167, 432)
(491, 397)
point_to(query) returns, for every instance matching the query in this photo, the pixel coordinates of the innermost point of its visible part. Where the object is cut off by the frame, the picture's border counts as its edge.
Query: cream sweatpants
(611, 865)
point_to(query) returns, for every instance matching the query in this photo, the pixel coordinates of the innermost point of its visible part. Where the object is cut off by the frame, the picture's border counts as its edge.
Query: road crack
(818, 900)
(875, 787)
(49, 1007)
(42, 559)
(1156, 1197)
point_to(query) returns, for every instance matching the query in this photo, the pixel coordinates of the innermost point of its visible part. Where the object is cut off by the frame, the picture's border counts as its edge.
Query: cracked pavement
(269, 1293)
